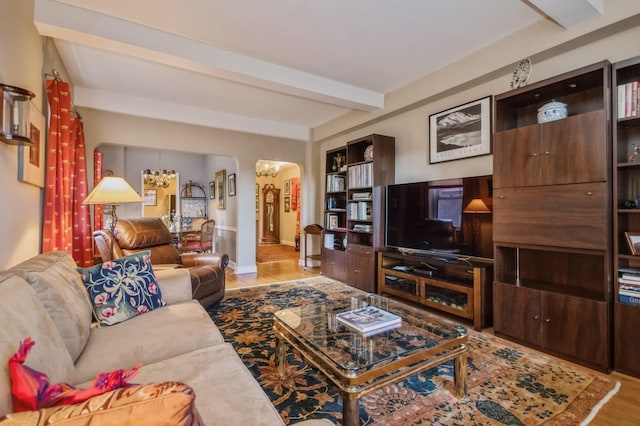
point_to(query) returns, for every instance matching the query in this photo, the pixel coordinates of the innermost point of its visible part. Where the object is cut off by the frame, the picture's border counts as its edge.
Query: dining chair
(203, 243)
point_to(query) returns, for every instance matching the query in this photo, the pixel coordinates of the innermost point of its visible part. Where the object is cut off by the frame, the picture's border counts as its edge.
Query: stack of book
(628, 100)
(629, 286)
(369, 320)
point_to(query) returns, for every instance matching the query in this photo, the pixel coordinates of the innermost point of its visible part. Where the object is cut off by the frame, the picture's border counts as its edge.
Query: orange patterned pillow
(159, 404)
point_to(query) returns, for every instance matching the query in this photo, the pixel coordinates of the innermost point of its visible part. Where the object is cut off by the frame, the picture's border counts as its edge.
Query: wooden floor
(622, 410)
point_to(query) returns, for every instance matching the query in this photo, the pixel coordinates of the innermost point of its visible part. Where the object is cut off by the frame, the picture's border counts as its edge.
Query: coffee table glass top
(350, 352)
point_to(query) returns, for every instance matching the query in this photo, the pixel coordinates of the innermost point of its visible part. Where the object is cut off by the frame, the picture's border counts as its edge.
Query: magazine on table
(368, 319)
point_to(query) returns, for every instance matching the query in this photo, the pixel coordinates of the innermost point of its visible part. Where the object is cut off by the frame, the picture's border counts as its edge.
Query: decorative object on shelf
(552, 111)
(14, 115)
(268, 171)
(31, 157)
(633, 241)
(461, 132)
(161, 179)
(112, 191)
(521, 73)
(635, 153)
(287, 187)
(212, 190)
(221, 177)
(287, 204)
(368, 153)
(337, 162)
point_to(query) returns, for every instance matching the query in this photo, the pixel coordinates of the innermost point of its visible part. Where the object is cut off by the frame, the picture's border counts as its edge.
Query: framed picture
(633, 241)
(232, 185)
(31, 158)
(149, 198)
(460, 132)
(287, 187)
(221, 179)
(257, 197)
(212, 190)
(287, 204)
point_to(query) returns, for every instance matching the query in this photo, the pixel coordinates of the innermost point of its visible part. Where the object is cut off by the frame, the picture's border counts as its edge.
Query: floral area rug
(508, 384)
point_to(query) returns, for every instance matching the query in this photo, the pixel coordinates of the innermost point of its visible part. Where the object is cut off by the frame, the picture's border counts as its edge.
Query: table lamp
(112, 191)
(476, 205)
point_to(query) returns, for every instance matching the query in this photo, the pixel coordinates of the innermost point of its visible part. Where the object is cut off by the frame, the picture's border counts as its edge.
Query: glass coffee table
(358, 363)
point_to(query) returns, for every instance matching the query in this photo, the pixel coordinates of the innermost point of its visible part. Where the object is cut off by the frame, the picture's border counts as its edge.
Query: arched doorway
(277, 220)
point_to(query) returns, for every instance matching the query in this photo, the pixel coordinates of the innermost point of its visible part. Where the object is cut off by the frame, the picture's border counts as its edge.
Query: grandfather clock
(270, 214)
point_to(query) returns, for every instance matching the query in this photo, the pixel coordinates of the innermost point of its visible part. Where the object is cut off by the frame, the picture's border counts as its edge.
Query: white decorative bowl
(552, 111)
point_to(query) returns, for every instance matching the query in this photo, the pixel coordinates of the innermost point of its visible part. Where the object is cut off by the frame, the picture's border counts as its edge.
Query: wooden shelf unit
(458, 287)
(553, 219)
(626, 135)
(354, 208)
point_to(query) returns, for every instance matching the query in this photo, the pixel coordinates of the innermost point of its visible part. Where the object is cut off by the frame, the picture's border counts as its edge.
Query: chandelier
(158, 178)
(268, 171)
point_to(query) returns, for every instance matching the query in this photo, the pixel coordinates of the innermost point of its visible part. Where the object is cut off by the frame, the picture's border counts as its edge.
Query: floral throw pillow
(122, 288)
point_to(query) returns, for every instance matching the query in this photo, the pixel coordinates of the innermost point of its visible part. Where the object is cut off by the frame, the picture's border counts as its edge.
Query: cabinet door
(517, 313)
(361, 270)
(574, 149)
(627, 344)
(516, 160)
(577, 327)
(566, 215)
(333, 264)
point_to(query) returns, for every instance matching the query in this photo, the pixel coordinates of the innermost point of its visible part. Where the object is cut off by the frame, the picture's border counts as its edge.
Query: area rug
(508, 384)
(266, 253)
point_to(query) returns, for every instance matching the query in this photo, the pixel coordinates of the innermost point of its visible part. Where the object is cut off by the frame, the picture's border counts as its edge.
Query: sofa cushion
(160, 334)
(56, 281)
(23, 315)
(123, 288)
(227, 393)
(168, 404)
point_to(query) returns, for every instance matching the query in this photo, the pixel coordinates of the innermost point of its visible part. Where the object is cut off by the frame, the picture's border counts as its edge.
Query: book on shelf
(369, 319)
(629, 292)
(628, 100)
(631, 300)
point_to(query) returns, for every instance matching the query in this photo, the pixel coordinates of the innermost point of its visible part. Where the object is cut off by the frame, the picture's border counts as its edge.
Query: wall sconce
(268, 171)
(15, 127)
(159, 179)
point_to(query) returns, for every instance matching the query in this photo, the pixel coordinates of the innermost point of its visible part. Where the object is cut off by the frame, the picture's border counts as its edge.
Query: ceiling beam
(78, 25)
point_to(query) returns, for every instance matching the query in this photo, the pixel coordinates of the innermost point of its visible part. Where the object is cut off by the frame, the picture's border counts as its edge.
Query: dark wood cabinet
(626, 168)
(356, 177)
(552, 217)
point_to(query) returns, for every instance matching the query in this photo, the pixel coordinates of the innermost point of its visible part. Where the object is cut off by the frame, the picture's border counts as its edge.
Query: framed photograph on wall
(221, 179)
(287, 204)
(212, 190)
(31, 158)
(460, 132)
(287, 187)
(150, 197)
(633, 241)
(232, 185)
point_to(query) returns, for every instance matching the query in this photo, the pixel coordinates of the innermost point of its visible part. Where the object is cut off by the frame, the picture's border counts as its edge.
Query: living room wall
(553, 50)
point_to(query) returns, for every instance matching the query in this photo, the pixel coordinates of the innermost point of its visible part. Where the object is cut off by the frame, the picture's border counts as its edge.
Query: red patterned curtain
(295, 201)
(97, 177)
(66, 225)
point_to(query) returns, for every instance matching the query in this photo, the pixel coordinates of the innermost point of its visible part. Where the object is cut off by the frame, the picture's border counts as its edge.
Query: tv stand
(460, 286)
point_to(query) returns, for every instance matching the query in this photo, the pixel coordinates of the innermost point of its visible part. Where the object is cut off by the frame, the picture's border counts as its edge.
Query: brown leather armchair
(149, 233)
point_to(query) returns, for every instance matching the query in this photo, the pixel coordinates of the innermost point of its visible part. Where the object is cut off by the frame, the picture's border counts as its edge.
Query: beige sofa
(43, 298)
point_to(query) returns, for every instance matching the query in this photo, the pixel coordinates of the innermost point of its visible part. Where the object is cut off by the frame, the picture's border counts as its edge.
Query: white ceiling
(277, 67)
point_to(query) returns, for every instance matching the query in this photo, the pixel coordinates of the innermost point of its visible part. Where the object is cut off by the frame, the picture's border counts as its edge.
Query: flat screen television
(439, 217)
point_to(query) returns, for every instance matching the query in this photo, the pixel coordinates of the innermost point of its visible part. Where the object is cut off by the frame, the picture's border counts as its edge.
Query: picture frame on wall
(232, 185)
(212, 190)
(287, 204)
(633, 241)
(257, 197)
(221, 179)
(461, 132)
(287, 187)
(31, 158)
(150, 197)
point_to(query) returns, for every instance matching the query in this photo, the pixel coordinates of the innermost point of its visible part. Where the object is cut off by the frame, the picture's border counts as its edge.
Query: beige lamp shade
(477, 206)
(113, 190)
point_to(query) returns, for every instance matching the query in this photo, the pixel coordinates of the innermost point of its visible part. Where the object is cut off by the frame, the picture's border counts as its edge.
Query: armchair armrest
(201, 259)
(175, 285)
(167, 403)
